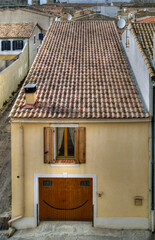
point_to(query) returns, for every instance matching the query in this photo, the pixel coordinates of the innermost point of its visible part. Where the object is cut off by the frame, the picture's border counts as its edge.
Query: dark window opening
(18, 44)
(41, 36)
(6, 45)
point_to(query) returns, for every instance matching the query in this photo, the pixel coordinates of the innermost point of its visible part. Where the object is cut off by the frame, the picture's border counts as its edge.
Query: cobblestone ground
(76, 231)
(5, 161)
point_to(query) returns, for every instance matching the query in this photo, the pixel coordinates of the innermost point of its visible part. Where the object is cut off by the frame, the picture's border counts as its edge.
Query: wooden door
(65, 199)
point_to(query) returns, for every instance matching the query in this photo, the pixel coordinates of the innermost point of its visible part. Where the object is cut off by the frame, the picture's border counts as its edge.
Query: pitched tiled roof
(147, 20)
(16, 30)
(81, 72)
(143, 33)
(33, 9)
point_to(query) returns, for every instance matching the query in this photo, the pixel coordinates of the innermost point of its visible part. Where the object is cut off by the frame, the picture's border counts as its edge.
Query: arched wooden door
(65, 199)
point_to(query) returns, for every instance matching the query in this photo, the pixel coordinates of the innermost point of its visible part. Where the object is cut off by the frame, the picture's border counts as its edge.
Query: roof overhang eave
(59, 121)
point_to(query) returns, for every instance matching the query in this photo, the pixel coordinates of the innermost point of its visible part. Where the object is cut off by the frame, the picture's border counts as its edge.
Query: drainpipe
(153, 136)
(152, 164)
(21, 178)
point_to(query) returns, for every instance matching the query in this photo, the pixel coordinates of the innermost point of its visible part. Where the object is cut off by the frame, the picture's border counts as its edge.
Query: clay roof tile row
(81, 72)
(16, 30)
(143, 33)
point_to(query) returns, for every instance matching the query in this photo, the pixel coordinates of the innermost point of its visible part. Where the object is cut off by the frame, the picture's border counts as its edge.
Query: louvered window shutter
(41, 36)
(22, 44)
(8, 45)
(48, 145)
(80, 145)
(14, 45)
(3, 45)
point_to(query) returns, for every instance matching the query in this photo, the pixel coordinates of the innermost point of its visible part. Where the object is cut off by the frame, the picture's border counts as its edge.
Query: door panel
(65, 199)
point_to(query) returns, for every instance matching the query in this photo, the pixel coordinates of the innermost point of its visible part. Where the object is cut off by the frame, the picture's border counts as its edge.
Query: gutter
(59, 121)
(21, 178)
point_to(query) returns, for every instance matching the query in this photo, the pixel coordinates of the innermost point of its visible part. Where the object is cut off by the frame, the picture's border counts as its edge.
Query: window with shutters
(64, 143)
(6, 45)
(17, 44)
(41, 36)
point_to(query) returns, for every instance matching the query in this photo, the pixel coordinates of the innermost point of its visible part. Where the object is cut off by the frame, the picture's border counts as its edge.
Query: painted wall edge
(112, 223)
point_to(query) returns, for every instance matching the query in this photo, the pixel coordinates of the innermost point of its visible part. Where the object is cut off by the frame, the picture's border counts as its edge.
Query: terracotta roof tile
(16, 30)
(143, 33)
(81, 72)
(147, 20)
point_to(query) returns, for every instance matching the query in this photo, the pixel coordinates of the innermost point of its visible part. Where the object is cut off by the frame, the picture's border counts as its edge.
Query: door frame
(63, 175)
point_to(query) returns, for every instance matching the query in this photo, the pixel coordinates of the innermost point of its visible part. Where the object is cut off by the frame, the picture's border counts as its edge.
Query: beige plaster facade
(25, 15)
(117, 154)
(10, 77)
(13, 3)
(34, 47)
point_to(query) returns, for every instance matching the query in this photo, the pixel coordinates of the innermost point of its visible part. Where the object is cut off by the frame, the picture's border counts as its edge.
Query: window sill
(65, 161)
(64, 165)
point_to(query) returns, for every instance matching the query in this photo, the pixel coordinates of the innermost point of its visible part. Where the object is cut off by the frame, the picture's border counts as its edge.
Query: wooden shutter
(80, 145)
(48, 145)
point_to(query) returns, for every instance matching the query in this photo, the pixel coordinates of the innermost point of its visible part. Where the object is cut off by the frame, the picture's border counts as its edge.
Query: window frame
(17, 45)
(50, 145)
(5, 44)
(55, 126)
(65, 145)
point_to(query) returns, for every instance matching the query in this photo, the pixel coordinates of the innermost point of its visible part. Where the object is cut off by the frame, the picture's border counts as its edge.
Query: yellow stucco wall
(118, 153)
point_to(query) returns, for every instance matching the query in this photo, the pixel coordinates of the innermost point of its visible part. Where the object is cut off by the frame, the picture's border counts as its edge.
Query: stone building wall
(13, 2)
(35, 2)
(50, 1)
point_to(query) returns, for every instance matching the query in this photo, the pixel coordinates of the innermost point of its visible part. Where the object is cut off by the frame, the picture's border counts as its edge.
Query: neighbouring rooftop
(147, 20)
(81, 72)
(143, 33)
(16, 30)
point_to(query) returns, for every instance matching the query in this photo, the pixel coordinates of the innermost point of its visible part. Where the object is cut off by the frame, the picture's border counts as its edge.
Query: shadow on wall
(6, 63)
